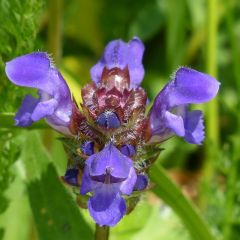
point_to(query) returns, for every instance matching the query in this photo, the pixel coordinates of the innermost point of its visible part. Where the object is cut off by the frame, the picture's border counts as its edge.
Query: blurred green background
(202, 34)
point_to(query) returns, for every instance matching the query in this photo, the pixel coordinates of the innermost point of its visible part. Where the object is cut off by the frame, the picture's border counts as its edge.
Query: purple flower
(170, 115)
(112, 125)
(120, 54)
(108, 174)
(36, 70)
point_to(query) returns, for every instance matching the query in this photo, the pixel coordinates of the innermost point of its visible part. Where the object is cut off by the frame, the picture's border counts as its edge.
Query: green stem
(172, 195)
(54, 48)
(102, 233)
(55, 29)
(212, 120)
(211, 65)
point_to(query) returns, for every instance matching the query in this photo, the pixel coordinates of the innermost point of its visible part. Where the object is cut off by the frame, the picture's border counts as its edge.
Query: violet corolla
(111, 140)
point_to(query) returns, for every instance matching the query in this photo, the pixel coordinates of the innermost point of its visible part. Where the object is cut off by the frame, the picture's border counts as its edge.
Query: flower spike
(110, 141)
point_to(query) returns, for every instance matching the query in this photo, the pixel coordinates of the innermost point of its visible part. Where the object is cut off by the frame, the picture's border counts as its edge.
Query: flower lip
(106, 206)
(190, 86)
(109, 157)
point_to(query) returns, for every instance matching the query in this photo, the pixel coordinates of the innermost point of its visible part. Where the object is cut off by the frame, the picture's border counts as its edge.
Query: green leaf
(9, 153)
(1, 233)
(172, 195)
(55, 213)
(19, 206)
(19, 25)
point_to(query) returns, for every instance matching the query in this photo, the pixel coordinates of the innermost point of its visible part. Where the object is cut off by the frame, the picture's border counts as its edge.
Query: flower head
(111, 141)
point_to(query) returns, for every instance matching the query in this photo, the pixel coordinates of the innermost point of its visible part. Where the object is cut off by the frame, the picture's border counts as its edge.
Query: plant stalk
(211, 66)
(102, 233)
(55, 11)
(55, 30)
(212, 117)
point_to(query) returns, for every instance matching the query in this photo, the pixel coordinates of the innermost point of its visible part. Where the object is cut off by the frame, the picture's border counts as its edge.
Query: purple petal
(108, 120)
(36, 70)
(136, 50)
(127, 186)
(110, 158)
(160, 122)
(23, 116)
(128, 150)
(88, 185)
(114, 56)
(190, 86)
(44, 109)
(120, 54)
(141, 183)
(104, 195)
(175, 123)
(31, 70)
(193, 123)
(106, 206)
(136, 69)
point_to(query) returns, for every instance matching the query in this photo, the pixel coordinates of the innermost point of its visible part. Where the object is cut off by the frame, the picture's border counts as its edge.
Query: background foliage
(203, 34)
